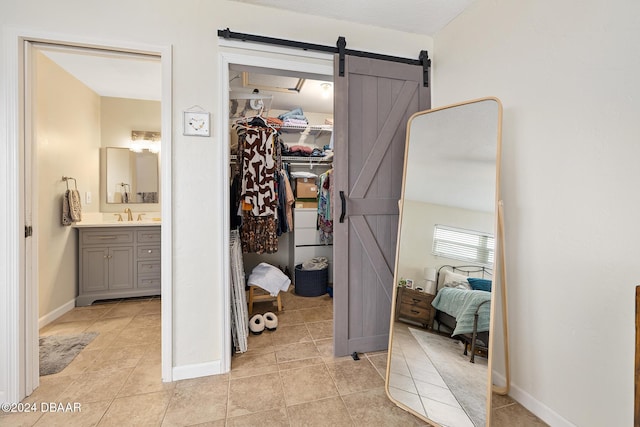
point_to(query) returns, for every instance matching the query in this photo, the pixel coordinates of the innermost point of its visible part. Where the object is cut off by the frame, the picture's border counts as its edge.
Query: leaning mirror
(131, 177)
(439, 351)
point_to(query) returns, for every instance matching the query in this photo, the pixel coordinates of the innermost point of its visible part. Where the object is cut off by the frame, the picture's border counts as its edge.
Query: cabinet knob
(150, 251)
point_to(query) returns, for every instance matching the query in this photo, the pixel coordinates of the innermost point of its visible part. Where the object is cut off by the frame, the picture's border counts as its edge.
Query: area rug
(57, 351)
(467, 381)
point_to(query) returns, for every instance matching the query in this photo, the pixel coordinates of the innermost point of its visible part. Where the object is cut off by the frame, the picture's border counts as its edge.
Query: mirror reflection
(131, 177)
(440, 327)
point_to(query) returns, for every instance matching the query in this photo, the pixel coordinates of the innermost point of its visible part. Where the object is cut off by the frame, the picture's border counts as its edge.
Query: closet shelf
(297, 159)
(308, 159)
(312, 128)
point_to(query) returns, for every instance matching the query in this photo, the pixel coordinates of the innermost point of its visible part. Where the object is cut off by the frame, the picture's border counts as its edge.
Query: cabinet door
(121, 268)
(95, 271)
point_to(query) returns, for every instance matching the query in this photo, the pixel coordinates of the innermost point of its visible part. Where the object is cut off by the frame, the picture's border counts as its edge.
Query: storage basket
(311, 283)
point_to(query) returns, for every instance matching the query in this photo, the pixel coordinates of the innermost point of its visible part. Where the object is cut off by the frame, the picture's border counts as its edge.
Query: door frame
(18, 256)
(258, 55)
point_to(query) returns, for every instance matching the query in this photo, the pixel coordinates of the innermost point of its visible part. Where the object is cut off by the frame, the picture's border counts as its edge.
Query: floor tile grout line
(325, 361)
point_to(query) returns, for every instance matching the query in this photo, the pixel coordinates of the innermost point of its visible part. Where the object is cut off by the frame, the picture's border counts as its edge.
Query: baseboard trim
(538, 408)
(197, 370)
(53, 315)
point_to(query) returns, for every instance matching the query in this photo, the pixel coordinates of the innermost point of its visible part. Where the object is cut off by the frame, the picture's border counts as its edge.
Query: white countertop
(110, 219)
(124, 223)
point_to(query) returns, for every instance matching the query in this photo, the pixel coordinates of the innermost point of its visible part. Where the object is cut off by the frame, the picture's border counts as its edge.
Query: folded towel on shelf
(295, 112)
(301, 149)
(71, 207)
(300, 121)
(303, 174)
(269, 278)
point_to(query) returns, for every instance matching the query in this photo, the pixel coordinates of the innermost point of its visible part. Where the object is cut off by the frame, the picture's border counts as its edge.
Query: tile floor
(416, 382)
(288, 377)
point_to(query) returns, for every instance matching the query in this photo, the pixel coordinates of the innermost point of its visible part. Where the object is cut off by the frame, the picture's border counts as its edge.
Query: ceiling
(412, 16)
(110, 74)
(285, 90)
(139, 76)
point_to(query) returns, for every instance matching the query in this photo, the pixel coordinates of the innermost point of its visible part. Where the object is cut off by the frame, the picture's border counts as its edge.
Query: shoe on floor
(270, 321)
(256, 324)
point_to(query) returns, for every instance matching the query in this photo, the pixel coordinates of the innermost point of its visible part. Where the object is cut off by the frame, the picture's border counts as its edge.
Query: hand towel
(71, 207)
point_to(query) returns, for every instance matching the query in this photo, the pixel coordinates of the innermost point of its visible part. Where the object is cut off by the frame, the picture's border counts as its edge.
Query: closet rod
(340, 48)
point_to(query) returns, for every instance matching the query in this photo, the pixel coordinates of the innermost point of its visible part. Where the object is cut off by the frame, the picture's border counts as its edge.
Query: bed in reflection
(463, 306)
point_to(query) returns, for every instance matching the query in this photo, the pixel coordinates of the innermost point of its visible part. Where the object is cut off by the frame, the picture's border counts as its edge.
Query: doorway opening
(284, 85)
(62, 149)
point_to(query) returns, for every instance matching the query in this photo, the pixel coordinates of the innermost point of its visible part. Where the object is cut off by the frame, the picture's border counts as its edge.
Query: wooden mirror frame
(499, 264)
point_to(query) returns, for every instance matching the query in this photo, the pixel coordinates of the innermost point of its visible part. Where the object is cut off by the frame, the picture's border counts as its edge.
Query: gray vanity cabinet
(118, 263)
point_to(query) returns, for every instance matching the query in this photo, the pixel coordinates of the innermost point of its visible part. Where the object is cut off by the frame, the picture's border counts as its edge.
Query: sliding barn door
(373, 102)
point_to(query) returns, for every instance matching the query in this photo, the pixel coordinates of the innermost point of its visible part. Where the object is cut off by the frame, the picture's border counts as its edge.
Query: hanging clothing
(325, 218)
(236, 218)
(283, 225)
(259, 158)
(258, 172)
(258, 234)
(289, 199)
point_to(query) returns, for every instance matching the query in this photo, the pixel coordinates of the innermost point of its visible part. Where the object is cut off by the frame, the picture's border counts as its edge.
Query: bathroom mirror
(448, 226)
(130, 177)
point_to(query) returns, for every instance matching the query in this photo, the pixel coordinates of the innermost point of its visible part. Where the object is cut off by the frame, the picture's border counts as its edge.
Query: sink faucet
(129, 214)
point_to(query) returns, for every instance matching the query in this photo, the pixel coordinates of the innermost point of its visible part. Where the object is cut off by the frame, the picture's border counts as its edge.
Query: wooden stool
(253, 297)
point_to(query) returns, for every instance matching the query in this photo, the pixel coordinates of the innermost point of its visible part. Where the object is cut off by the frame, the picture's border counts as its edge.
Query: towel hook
(66, 180)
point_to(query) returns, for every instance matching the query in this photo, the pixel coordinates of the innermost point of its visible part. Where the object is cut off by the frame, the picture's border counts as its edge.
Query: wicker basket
(311, 283)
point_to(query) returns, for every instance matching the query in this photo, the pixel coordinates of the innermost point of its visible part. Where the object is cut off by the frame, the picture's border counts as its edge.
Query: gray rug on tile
(57, 351)
(467, 381)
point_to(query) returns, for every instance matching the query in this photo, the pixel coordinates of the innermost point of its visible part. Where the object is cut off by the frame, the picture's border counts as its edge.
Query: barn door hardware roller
(426, 63)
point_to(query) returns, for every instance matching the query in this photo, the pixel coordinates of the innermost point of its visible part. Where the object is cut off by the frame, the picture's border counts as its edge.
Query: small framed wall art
(196, 123)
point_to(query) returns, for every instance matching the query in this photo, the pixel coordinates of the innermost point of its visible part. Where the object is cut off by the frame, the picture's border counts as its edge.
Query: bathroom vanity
(118, 261)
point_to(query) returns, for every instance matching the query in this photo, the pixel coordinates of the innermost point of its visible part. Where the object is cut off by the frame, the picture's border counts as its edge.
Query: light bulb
(326, 90)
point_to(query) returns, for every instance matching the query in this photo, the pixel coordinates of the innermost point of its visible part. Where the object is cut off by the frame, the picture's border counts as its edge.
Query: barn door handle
(344, 206)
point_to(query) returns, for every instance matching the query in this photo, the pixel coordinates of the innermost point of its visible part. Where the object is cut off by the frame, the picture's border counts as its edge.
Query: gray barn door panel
(373, 102)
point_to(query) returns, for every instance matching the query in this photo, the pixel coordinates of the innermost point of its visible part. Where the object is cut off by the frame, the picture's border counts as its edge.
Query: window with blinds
(465, 245)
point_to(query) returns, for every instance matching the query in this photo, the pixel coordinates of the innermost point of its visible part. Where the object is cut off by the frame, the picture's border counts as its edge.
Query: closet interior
(281, 167)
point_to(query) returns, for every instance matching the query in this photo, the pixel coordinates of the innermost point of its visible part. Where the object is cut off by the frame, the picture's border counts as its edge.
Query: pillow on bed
(478, 284)
(455, 280)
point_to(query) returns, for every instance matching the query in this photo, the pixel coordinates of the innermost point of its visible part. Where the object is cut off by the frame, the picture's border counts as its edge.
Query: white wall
(566, 73)
(190, 26)
(416, 239)
(120, 116)
(67, 142)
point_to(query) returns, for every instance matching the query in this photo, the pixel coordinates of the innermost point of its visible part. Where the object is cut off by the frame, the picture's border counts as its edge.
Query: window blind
(465, 245)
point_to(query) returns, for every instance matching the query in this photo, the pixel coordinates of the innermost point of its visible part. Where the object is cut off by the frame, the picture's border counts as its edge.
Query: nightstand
(415, 306)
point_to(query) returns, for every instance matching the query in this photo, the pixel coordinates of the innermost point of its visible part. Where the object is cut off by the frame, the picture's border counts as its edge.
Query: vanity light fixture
(326, 90)
(145, 140)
